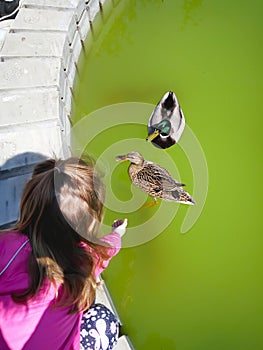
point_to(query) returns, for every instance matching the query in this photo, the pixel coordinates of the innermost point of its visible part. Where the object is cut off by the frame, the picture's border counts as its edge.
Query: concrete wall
(39, 51)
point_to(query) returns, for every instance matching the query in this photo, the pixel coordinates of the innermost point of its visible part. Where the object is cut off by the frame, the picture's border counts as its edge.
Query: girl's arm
(114, 241)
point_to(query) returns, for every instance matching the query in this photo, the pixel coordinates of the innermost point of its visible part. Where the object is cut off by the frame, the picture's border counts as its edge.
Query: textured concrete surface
(38, 55)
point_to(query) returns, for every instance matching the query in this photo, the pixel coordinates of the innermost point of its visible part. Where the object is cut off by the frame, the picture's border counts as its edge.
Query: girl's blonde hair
(61, 207)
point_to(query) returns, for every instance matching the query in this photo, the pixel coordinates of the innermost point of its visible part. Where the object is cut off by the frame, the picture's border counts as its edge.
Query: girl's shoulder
(10, 242)
(12, 238)
(14, 249)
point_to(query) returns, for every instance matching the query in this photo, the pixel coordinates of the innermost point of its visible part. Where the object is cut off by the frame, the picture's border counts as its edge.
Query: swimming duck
(166, 123)
(155, 180)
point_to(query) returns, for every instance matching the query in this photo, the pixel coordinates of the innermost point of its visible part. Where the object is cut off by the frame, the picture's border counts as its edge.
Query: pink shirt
(37, 325)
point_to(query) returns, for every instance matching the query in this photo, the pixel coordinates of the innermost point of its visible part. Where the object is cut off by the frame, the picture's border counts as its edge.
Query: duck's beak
(121, 158)
(153, 135)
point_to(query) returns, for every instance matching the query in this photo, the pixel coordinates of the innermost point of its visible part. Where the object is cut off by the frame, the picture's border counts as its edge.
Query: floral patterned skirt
(99, 329)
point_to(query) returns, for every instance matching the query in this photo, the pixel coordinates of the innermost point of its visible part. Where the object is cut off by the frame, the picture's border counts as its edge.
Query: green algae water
(196, 282)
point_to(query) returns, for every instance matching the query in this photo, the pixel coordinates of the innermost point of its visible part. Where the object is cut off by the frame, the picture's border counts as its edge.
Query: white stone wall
(39, 51)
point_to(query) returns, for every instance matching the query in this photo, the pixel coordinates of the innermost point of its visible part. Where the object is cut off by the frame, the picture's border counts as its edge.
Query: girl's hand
(119, 226)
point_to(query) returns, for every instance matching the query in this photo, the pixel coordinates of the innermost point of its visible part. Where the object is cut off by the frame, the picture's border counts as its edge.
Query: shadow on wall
(14, 173)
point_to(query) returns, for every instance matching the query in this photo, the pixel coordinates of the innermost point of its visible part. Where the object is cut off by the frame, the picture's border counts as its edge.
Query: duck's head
(163, 129)
(133, 157)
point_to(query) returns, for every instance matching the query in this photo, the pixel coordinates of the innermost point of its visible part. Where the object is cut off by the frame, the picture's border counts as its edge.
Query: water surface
(202, 289)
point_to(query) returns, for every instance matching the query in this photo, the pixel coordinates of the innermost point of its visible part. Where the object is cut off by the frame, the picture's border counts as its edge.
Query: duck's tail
(182, 196)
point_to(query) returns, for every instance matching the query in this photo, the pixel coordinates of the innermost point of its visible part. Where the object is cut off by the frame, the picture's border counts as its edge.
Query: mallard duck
(166, 123)
(155, 180)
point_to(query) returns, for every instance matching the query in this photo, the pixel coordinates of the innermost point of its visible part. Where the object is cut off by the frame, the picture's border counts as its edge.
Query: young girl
(50, 261)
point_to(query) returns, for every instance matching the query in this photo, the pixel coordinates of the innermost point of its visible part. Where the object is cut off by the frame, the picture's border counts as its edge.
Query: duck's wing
(156, 116)
(156, 177)
(163, 109)
(177, 123)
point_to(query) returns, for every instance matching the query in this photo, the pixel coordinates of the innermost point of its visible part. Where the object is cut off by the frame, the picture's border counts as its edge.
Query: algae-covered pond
(187, 278)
